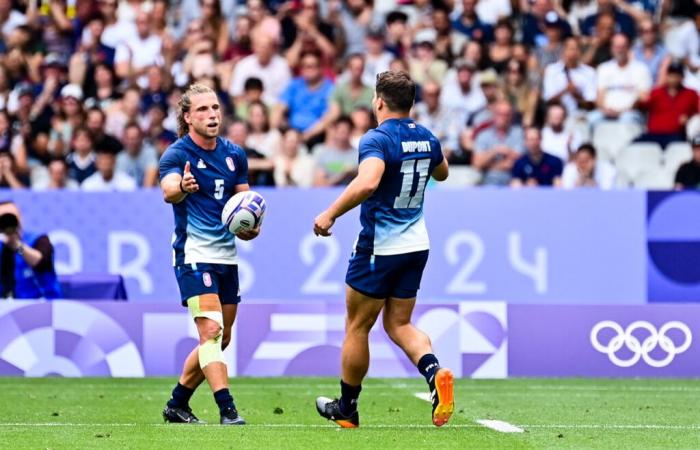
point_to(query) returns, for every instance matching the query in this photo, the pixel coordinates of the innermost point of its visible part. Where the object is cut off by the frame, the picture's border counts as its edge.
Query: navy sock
(180, 397)
(427, 366)
(348, 397)
(224, 400)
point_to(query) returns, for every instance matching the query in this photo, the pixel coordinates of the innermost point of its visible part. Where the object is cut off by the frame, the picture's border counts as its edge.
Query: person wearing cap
(491, 88)
(621, 82)
(461, 93)
(669, 107)
(688, 175)
(107, 178)
(423, 63)
(534, 23)
(551, 50)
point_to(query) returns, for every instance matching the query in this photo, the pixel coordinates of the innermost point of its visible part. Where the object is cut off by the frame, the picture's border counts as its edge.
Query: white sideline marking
(423, 396)
(499, 425)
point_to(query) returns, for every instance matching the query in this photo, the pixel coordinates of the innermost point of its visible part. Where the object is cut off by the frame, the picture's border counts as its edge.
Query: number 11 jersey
(199, 236)
(392, 217)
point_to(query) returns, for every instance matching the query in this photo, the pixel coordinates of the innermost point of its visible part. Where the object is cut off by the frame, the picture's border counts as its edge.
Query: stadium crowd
(533, 92)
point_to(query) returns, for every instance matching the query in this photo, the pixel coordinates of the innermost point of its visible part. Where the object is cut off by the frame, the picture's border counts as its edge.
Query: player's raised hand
(247, 235)
(323, 224)
(188, 183)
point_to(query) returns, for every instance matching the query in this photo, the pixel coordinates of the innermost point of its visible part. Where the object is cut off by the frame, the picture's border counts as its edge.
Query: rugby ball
(243, 211)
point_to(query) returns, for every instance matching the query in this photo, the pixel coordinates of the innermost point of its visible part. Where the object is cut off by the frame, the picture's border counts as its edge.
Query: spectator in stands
(423, 62)
(650, 50)
(491, 88)
(126, 110)
(398, 34)
(26, 259)
(10, 18)
(460, 93)
(570, 82)
(261, 137)
(621, 82)
(157, 135)
(57, 177)
(304, 30)
(620, 11)
(669, 107)
(686, 46)
(102, 91)
(336, 159)
(501, 49)
(69, 115)
(259, 167)
(9, 175)
(550, 51)
(688, 175)
(430, 113)
(354, 17)
(557, 139)
(107, 178)
(91, 54)
(265, 64)
(81, 159)
(536, 167)
(305, 99)
(449, 42)
(293, 165)
(139, 52)
(362, 120)
(523, 95)
(498, 147)
(470, 25)
(54, 27)
(586, 171)
(215, 22)
(350, 94)
(377, 58)
(534, 25)
(156, 90)
(577, 11)
(139, 160)
(597, 49)
(252, 92)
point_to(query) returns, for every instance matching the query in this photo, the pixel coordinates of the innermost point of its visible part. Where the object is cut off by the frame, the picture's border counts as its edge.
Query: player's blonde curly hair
(185, 104)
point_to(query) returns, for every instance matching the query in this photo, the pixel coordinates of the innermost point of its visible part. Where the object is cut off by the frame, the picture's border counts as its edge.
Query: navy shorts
(204, 278)
(384, 276)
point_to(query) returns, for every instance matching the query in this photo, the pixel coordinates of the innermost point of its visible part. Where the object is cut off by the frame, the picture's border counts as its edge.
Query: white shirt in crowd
(604, 176)
(621, 86)
(275, 77)
(560, 144)
(555, 80)
(14, 20)
(459, 103)
(119, 182)
(142, 53)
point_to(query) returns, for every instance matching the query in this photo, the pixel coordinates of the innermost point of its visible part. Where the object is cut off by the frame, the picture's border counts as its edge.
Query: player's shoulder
(176, 150)
(230, 148)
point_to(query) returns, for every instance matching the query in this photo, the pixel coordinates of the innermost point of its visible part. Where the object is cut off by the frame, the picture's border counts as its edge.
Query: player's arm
(176, 187)
(245, 235)
(369, 175)
(442, 171)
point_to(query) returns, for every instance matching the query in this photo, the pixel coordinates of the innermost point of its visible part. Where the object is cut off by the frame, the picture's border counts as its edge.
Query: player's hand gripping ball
(244, 211)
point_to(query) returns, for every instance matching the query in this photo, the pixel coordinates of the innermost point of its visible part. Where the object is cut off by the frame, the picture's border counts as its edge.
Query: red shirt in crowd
(665, 111)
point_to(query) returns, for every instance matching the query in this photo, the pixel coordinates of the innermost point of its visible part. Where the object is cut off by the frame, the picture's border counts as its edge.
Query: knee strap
(210, 351)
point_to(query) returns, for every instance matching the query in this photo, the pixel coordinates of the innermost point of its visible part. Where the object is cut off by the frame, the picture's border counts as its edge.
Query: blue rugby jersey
(199, 236)
(392, 218)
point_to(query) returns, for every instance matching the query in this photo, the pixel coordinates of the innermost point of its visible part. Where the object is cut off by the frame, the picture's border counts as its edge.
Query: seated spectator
(377, 58)
(293, 165)
(650, 50)
(620, 10)
(534, 25)
(57, 177)
(265, 64)
(336, 159)
(350, 93)
(157, 135)
(124, 111)
(398, 35)
(460, 93)
(9, 175)
(491, 88)
(81, 159)
(449, 42)
(261, 137)
(688, 175)
(362, 120)
(107, 178)
(10, 19)
(596, 50)
(536, 167)
(501, 49)
(354, 17)
(557, 140)
(26, 259)
(305, 99)
(498, 147)
(523, 95)
(252, 92)
(139, 160)
(621, 82)
(470, 25)
(304, 30)
(570, 82)
(423, 62)
(68, 116)
(139, 51)
(103, 90)
(685, 45)
(555, 29)
(577, 11)
(259, 167)
(586, 171)
(438, 119)
(669, 107)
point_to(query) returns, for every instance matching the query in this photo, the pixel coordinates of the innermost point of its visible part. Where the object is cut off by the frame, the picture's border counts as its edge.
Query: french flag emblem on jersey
(206, 278)
(230, 164)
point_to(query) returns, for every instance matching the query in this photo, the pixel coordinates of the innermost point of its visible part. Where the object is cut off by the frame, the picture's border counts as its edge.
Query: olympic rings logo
(641, 350)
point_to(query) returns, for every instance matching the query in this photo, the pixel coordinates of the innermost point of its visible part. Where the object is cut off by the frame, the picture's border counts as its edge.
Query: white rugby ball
(243, 211)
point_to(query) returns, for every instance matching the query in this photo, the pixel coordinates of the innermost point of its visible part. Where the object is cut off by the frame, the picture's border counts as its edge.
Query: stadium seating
(461, 176)
(676, 154)
(609, 138)
(639, 158)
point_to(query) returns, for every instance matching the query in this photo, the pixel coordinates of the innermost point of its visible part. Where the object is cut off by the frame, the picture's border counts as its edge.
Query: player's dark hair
(185, 104)
(397, 90)
(587, 148)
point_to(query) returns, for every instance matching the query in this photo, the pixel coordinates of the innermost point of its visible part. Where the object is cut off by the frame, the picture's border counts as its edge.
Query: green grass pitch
(61, 413)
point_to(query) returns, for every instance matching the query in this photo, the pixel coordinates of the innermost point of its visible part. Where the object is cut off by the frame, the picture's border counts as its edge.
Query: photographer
(26, 259)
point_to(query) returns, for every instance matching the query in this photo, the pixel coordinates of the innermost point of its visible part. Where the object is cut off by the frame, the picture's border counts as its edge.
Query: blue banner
(526, 246)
